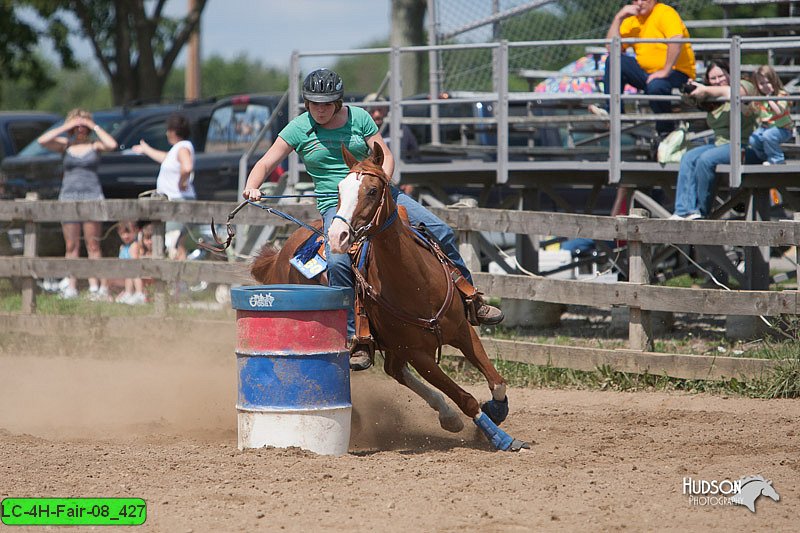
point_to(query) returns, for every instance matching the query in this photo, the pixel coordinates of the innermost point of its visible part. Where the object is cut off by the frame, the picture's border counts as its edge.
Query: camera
(688, 88)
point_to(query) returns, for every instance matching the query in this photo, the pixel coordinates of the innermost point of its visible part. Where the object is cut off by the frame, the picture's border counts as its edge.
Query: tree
(136, 50)
(79, 87)
(18, 58)
(220, 76)
(408, 29)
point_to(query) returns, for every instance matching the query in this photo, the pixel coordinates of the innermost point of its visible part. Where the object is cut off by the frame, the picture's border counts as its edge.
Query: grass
(51, 304)
(783, 382)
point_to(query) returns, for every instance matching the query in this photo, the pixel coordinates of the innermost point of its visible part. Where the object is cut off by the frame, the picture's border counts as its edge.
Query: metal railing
(501, 97)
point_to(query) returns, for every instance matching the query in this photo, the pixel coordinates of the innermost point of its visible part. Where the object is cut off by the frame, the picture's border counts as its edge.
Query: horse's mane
(749, 479)
(263, 263)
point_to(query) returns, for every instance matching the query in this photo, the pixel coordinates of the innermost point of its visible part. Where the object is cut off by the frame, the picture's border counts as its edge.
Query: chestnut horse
(403, 281)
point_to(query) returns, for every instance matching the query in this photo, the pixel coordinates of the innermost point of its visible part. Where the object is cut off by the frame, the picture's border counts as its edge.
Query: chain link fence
(481, 21)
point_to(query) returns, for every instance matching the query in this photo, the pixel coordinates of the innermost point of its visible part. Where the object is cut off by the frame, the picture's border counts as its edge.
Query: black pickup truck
(221, 132)
(18, 128)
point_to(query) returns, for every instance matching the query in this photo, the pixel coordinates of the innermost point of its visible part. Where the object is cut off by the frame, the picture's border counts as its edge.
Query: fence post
(29, 283)
(160, 286)
(797, 253)
(640, 329)
(468, 241)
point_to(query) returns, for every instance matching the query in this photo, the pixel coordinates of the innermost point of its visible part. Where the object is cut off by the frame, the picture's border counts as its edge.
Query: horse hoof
(496, 410)
(517, 445)
(453, 424)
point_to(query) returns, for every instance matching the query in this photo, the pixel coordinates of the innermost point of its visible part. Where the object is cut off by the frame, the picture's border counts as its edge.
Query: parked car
(19, 128)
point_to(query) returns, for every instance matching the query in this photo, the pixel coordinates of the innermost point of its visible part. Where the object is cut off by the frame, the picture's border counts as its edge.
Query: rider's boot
(360, 357)
(362, 347)
(488, 315)
(478, 311)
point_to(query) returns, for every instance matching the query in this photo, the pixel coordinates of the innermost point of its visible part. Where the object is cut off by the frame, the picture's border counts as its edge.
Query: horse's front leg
(470, 345)
(449, 418)
(428, 369)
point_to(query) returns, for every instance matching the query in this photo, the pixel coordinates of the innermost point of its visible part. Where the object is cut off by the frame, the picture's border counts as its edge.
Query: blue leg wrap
(497, 410)
(499, 438)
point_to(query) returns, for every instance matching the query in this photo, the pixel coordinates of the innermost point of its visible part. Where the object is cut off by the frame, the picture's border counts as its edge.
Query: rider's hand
(252, 194)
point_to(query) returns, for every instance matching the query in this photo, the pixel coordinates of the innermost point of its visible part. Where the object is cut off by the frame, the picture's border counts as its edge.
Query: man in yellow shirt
(657, 67)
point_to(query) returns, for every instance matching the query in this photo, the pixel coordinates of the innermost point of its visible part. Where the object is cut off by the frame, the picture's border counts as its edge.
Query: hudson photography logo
(725, 492)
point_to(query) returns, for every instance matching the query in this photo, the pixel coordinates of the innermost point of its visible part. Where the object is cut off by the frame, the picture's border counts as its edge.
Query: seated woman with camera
(695, 189)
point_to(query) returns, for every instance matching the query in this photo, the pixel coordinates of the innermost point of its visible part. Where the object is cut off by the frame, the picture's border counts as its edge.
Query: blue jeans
(339, 273)
(695, 189)
(634, 75)
(766, 143)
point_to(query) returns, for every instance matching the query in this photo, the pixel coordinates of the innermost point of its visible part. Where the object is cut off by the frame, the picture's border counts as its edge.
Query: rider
(317, 136)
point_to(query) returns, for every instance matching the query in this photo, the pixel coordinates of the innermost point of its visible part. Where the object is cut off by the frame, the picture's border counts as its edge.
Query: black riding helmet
(323, 86)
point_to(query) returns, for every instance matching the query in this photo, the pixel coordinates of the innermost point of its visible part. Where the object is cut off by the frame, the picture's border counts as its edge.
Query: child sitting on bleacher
(774, 119)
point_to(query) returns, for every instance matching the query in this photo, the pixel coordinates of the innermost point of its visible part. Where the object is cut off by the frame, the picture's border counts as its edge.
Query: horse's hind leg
(449, 418)
(501, 440)
(473, 350)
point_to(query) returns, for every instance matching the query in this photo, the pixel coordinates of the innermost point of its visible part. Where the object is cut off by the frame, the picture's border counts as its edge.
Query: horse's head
(768, 490)
(362, 196)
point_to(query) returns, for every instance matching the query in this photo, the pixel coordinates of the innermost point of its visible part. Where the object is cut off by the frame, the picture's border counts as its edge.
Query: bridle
(366, 230)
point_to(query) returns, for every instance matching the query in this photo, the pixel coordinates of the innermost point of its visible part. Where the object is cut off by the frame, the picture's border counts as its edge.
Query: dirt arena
(160, 423)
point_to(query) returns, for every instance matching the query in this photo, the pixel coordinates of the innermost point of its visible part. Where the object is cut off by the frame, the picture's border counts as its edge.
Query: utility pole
(192, 79)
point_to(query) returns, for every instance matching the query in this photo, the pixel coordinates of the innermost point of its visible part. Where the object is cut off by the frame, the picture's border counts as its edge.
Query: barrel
(293, 365)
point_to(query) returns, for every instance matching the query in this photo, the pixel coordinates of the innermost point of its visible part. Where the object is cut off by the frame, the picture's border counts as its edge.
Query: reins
(223, 245)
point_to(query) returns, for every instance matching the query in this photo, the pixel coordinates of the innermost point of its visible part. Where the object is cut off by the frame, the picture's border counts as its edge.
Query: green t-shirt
(719, 119)
(321, 149)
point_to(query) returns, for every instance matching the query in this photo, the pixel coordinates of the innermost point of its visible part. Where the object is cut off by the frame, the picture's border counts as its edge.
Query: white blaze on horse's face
(339, 235)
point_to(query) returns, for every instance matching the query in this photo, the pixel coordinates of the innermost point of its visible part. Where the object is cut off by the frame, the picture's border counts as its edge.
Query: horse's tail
(263, 264)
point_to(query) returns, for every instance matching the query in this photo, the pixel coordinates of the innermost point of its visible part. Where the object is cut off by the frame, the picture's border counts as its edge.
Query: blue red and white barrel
(293, 364)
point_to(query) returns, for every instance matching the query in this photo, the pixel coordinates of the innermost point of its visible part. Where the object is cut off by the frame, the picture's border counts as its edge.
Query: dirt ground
(159, 423)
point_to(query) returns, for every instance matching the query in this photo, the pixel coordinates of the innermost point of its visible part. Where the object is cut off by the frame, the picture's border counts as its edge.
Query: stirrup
(368, 343)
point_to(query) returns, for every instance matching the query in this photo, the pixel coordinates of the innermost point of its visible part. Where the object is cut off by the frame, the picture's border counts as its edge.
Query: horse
(751, 488)
(403, 282)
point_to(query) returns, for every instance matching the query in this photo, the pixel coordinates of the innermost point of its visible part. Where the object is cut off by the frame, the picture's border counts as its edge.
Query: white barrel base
(322, 431)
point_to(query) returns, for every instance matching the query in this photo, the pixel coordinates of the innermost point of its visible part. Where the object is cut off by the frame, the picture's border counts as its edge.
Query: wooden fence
(637, 294)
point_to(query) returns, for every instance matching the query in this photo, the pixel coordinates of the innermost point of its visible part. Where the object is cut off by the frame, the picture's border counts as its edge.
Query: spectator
(80, 182)
(658, 67)
(146, 237)
(176, 173)
(408, 141)
(131, 248)
(774, 118)
(694, 194)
